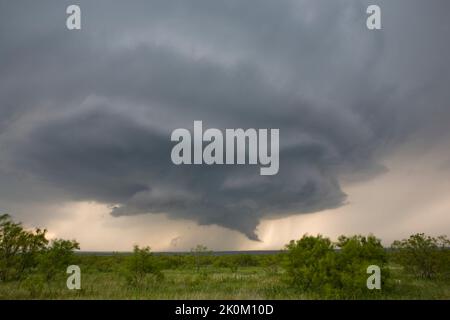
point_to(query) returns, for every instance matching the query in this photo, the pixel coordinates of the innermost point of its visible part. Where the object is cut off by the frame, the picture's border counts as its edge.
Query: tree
(24, 251)
(271, 263)
(55, 259)
(19, 248)
(423, 256)
(201, 255)
(141, 263)
(310, 262)
(354, 255)
(334, 270)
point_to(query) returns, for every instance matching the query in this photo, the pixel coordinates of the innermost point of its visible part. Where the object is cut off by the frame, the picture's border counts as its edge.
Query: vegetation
(140, 265)
(313, 267)
(424, 256)
(23, 252)
(201, 256)
(54, 259)
(335, 270)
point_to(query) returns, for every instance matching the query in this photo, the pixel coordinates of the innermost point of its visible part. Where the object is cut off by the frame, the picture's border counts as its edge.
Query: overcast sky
(86, 118)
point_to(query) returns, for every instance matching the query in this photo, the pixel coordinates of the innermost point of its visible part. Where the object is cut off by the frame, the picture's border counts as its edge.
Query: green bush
(354, 255)
(102, 264)
(24, 252)
(176, 261)
(236, 261)
(55, 259)
(19, 248)
(246, 260)
(310, 262)
(424, 256)
(140, 264)
(336, 270)
(271, 263)
(226, 262)
(201, 256)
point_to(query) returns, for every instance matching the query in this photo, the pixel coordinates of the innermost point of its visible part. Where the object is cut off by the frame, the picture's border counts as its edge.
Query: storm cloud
(90, 112)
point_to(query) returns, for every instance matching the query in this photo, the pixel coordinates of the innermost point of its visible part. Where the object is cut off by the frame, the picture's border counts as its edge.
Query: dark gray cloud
(90, 112)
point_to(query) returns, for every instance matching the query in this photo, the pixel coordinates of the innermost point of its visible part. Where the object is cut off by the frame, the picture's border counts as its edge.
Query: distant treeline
(174, 253)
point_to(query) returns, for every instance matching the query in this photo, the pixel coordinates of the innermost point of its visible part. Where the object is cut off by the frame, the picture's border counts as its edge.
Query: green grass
(209, 283)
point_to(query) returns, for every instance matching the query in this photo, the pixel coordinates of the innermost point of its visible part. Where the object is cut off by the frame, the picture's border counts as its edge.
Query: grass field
(208, 283)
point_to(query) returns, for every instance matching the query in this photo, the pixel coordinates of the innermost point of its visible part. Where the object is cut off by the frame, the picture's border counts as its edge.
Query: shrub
(102, 264)
(424, 256)
(176, 261)
(246, 260)
(310, 262)
(55, 259)
(226, 261)
(355, 254)
(141, 263)
(271, 263)
(337, 270)
(201, 256)
(19, 248)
